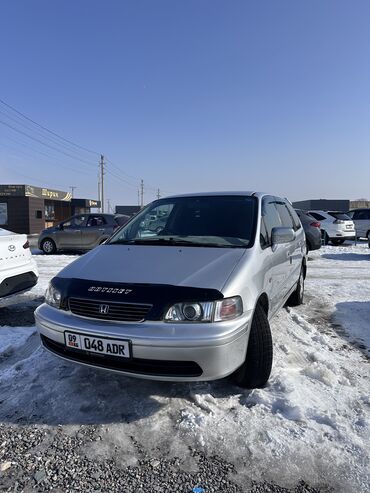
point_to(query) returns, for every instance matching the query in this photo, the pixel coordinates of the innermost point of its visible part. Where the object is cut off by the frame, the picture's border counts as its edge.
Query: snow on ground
(311, 422)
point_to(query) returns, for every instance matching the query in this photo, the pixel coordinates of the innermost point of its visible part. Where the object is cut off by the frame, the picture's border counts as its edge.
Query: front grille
(122, 312)
(138, 366)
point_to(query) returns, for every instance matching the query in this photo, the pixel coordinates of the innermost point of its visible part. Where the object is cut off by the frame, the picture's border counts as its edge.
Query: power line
(60, 163)
(47, 145)
(48, 130)
(39, 133)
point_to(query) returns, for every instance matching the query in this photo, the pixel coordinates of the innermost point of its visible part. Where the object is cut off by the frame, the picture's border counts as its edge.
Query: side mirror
(60, 226)
(282, 235)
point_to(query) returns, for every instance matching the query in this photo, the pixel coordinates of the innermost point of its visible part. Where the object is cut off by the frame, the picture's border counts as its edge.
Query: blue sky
(189, 95)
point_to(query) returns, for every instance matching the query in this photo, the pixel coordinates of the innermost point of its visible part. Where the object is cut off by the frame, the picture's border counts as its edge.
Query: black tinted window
(317, 216)
(361, 215)
(340, 215)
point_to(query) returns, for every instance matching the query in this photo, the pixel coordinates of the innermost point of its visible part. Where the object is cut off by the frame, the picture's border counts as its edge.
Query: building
(127, 210)
(360, 204)
(28, 209)
(322, 205)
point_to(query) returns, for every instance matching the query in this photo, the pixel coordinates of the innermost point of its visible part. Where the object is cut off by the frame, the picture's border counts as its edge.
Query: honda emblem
(104, 309)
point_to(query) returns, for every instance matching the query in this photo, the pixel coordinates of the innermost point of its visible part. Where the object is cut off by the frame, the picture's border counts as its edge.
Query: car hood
(201, 267)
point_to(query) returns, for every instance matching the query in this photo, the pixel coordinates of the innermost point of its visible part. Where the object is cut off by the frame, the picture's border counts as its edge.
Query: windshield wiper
(172, 242)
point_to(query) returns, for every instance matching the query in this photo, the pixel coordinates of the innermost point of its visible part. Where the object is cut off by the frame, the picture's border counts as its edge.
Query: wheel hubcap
(48, 247)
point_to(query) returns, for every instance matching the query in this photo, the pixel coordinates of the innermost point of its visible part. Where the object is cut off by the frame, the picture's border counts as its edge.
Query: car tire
(48, 246)
(368, 239)
(256, 369)
(296, 298)
(325, 237)
(337, 242)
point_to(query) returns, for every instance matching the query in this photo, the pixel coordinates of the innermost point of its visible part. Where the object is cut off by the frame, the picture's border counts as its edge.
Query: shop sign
(46, 193)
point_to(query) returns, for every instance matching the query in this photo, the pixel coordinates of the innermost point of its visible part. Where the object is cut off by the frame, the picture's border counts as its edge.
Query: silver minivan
(190, 300)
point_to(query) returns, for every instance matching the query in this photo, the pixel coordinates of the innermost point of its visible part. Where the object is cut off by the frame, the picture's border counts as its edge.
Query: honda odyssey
(189, 300)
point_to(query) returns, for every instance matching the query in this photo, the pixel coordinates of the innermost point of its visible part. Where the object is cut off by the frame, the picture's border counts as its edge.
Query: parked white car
(18, 270)
(335, 226)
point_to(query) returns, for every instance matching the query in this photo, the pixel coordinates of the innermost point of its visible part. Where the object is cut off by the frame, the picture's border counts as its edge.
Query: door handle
(101, 229)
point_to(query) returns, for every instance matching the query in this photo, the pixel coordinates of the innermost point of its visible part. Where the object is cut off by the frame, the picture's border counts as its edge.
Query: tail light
(316, 224)
(26, 245)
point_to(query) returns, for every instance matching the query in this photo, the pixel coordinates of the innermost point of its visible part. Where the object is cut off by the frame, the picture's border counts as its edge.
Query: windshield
(215, 221)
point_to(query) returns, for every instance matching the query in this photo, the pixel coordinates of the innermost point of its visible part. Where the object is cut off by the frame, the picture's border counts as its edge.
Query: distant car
(361, 218)
(336, 226)
(18, 270)
(312, 230)
(80, 233)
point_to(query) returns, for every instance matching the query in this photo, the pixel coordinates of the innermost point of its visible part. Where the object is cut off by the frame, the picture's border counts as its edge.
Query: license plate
(101, 345)
(348, 226)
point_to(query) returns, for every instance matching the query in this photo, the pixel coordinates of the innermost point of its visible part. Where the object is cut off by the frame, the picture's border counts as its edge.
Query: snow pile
(311, 422)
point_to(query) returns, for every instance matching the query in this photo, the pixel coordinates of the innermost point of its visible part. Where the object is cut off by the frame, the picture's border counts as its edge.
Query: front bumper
(160, 351)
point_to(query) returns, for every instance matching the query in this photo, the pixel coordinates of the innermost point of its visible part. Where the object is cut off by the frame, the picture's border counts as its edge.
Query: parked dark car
(81, 232)
(361, 218)
(312, 230)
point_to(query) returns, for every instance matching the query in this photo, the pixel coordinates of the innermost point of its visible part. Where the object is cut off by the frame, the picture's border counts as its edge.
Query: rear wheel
(368, 238)
(296, 298)
(256, 369)
(48, 246)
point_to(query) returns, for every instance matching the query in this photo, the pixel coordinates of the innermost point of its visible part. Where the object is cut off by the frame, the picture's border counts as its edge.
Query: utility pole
(138, 197)
(72, 190)
(99, 199)
(102, 172)
(108, 205)
(142, 193)
(158, 194)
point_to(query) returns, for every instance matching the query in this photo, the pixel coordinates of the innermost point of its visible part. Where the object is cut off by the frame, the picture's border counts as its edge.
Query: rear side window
(339, 215)
(96, 221)
(317, 216)
(361, 215)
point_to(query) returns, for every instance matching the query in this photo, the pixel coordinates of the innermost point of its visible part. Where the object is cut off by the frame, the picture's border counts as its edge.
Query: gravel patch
(40, 459)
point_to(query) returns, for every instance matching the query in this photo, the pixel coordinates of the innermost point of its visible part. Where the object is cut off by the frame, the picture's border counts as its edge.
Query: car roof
(211, 194)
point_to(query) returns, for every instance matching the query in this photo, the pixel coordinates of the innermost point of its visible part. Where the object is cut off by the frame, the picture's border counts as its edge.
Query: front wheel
(256, 369)
(48, 246)
(296, 298)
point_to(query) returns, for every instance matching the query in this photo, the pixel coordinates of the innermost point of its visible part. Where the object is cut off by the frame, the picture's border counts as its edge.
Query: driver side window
(74, 222)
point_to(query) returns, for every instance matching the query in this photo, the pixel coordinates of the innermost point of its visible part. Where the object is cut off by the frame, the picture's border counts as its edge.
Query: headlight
(207, 311)
(53, 296)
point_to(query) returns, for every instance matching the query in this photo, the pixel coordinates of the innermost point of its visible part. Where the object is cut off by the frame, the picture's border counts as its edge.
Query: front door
(69, 236)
